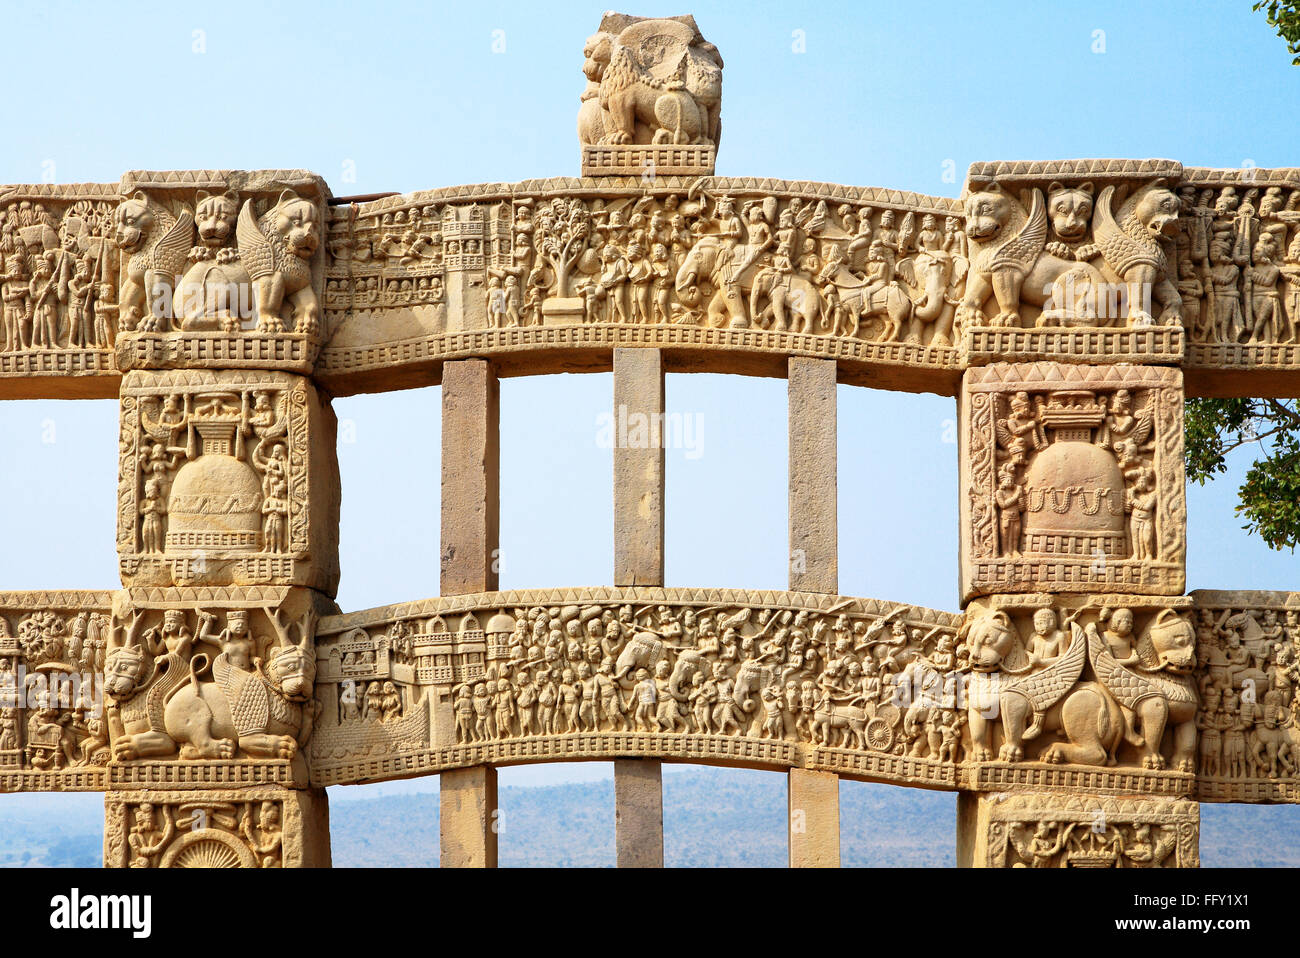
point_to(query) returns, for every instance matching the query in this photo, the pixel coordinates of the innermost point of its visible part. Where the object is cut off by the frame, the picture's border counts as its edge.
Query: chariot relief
(1080, 703)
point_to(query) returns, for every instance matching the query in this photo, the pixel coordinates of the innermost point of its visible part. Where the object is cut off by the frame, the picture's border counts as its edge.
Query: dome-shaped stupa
(216, 499)
(1075, 489)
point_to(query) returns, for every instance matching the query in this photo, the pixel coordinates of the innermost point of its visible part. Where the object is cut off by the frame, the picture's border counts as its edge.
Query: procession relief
(52, 654)
(1102, 681)
(1238, 246)
(702, 256)
(1074, 478)
(839, 678)
(58, 271)
(1249, 716)
(217, 474)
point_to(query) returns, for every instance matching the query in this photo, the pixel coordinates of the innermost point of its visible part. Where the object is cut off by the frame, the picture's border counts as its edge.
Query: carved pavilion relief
(1081, 703)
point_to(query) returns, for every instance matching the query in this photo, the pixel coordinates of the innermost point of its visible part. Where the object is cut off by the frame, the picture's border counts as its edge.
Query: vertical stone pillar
(468, 563)
(228, 505)
(814, 564)
(814, 797)
(638, 561)
(467, 816)
(639, 813)
(814, 819)
(471, 405)
(638, 467)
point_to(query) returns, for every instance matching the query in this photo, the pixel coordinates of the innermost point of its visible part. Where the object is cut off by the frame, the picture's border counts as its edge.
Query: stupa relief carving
(226, 479)
(1073, 479)
(1079, 704)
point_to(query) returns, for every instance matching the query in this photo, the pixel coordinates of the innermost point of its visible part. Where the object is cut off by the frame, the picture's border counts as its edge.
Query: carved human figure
(1009, 497)
(146, 839)
(1142, 502)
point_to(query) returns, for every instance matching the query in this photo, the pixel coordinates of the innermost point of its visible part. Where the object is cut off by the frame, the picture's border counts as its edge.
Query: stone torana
(1068, 306)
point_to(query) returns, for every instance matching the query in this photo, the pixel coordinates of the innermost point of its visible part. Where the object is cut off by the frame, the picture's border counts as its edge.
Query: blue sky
(403, 96)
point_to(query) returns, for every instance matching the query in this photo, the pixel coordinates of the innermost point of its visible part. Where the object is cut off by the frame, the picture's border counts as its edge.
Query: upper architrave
(1095, 261)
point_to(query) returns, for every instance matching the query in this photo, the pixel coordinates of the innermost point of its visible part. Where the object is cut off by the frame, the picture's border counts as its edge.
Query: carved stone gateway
(1081, 703)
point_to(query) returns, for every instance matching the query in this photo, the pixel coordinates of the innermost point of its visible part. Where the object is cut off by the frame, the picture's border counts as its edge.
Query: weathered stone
(1034, 830)
(1080, 705)
(227, 478)
(638, 813)
(470, 470)
(468, 818)
(814, 555)
(638, 425)
(814, 819)
(261, 827)
(1072, 479)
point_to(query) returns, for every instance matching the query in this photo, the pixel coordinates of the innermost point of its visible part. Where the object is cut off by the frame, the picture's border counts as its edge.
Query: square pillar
(814, 564)
(639, 561)
(639, 813)
(638, 467)
(471, 454)
(471, 404)
(813, 819)
(467, 818)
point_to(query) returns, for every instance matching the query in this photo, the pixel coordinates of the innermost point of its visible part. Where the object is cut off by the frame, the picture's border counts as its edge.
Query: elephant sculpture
(645, 650)
(715, 276)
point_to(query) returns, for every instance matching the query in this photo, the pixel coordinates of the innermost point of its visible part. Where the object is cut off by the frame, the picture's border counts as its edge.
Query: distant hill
(713, 818)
